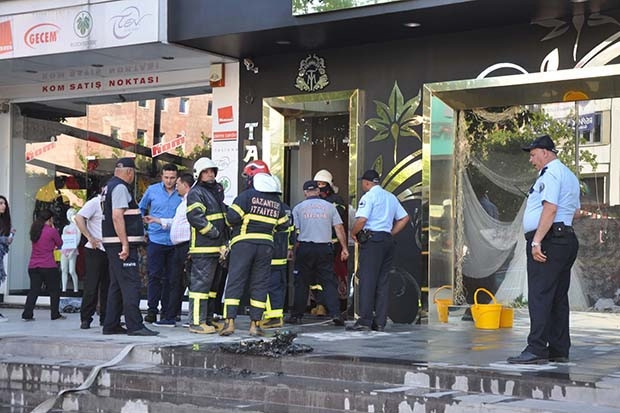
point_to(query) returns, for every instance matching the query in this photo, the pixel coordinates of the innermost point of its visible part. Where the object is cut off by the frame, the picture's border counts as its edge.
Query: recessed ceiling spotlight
(168, 57)
(411, 24)
(283, 42)
(579, 1)
(97, 65)
(31, 71)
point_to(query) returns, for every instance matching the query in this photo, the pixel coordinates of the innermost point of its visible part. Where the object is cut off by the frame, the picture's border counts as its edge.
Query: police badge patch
(311, 75)
(541, 187)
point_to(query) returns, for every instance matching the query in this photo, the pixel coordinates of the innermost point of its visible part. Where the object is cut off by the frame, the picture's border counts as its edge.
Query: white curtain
(489, 243)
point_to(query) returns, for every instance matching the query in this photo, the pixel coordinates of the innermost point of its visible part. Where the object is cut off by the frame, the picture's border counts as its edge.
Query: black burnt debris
(281, 345)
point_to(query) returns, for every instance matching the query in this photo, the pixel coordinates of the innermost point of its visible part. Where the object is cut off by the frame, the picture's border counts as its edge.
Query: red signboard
(160, 148)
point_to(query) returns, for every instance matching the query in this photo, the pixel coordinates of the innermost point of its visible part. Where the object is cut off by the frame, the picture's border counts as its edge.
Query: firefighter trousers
(203, 273)
(277, 292)
(248, 261)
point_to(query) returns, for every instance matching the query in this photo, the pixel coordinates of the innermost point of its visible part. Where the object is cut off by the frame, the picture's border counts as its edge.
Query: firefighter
(206, 215)
(253, 168)
(282, 253)
(254, 216)
(328, 191)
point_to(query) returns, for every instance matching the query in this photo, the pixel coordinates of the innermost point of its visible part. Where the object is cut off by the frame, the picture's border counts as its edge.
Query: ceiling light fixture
(168, 57)
(31, 71)
(412, 24)
(283, 42)
(97, 65)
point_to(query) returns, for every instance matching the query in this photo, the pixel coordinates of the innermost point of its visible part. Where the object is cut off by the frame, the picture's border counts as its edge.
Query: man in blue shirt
(551, 251)
(159, 201)
(379, 217)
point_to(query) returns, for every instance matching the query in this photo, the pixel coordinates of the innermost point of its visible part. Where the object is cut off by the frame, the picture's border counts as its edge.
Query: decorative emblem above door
(311, 75)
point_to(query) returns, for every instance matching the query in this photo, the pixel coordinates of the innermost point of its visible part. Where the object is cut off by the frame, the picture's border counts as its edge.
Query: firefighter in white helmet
(329, 193)
(254, 217)
(206, 215)
(283, 242)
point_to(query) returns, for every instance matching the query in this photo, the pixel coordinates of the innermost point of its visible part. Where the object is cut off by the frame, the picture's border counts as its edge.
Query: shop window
(590, 127)
(142, 103)
(162, 104)
(115, 132)
(141, 136)
(210, 108)
(184, 105)
(593, 191)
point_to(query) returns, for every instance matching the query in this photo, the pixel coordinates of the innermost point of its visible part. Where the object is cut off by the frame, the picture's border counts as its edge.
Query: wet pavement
(408, 368)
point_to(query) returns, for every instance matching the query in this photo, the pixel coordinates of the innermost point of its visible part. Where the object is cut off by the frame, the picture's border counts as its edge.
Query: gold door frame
(275, 141)
(452, 97)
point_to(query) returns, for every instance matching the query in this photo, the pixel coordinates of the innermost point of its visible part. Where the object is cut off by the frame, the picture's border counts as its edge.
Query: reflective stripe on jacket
(204, 213)
(254, 216)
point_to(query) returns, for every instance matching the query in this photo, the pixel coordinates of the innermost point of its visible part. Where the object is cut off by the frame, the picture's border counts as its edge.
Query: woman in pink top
(42, 267)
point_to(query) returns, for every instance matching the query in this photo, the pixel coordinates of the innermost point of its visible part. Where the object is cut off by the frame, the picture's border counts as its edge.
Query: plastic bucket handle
(489, 293)
(443, 287)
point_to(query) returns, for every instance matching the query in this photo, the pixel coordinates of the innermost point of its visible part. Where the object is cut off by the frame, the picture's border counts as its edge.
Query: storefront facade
(357, 77)
(377, 86)
(81, 84)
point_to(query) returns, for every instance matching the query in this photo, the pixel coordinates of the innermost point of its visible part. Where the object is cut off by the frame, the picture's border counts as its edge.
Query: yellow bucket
(506, 317)
(486, 316)
(442, 304)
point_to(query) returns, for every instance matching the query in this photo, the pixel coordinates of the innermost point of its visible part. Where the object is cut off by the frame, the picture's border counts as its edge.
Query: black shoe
(527, 358)
(150, 318)
(358, 327)
(145, 332)
(293, 319)
(28, 319)
(85, 325)
(558, 359)
(338, 321)
(377, 327)
(59, 317)
(115, 330)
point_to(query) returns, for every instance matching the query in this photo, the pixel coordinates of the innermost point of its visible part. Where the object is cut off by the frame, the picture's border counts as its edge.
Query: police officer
(206, 216)
(122, 231)
(378, 218)
(551, 251)
(254, 217)
(314, 219)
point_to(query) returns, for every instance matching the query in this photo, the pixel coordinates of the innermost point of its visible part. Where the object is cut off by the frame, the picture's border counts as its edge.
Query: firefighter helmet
(324, 176)
(265, 183)
(255, 167)
(202, 164)
(278, 184)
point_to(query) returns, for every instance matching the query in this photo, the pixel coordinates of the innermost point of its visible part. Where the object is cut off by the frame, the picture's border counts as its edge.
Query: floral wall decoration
(396, 118)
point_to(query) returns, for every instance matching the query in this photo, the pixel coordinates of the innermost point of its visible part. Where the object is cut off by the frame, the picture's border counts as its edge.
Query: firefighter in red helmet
(253, 168)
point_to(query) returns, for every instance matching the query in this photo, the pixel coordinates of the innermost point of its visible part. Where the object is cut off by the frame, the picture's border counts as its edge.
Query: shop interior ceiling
(160, 57)
(215, 26)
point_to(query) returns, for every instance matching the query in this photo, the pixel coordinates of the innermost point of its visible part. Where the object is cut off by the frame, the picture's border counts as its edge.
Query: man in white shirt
(179, 235)
(88, 220)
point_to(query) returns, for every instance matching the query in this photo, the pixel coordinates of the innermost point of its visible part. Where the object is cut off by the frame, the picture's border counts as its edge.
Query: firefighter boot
(255, 329)
(218, 325)
(272, 322)
(319, 310)
(202, 328)
(229, 327)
